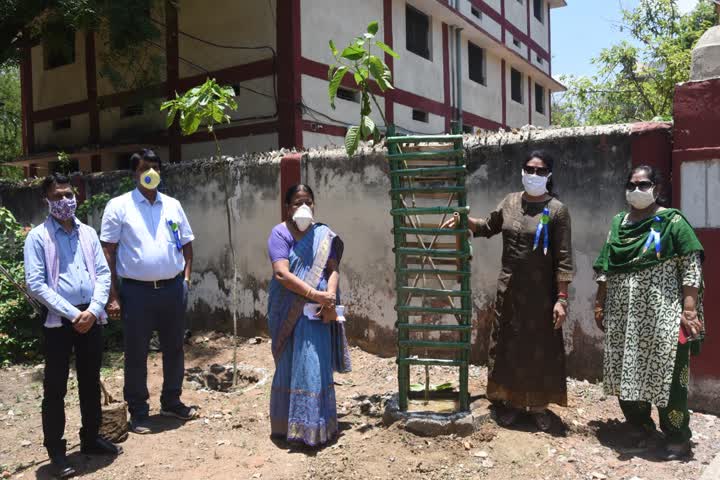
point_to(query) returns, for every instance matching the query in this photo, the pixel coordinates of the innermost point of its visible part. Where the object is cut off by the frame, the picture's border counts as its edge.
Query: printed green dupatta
(623, 250)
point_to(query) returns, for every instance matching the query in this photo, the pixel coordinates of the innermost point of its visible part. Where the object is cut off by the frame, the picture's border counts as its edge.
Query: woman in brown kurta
(527, 356)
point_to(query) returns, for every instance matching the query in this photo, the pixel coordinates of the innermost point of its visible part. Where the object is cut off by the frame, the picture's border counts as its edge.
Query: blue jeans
(145, 309)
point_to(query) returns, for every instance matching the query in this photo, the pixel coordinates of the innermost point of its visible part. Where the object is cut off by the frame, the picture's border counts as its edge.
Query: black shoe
(100, 446)
(140, 425)
(61, 467)
(677, 451)
(181, 411)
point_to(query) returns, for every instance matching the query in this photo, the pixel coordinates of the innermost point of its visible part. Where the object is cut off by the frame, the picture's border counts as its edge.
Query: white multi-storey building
(504, 68)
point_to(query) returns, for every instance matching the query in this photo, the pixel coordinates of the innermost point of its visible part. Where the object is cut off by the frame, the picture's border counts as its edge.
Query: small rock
(140, 465)
(467, 445)
(255, 341)
(25, 443)
(5, 474)
(598, 476)
(487, 463)
(481, 454)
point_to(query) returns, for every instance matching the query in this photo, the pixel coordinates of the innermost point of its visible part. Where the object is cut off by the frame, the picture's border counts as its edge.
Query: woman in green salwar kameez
(649, 304)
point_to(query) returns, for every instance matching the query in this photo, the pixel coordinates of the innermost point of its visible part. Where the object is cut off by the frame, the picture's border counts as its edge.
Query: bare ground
(231, 440)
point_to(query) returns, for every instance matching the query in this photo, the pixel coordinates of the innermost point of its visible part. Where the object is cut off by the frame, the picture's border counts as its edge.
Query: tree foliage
(10, 119)
(636, 79)
(367, 69)
(19, 326)
(126, 27)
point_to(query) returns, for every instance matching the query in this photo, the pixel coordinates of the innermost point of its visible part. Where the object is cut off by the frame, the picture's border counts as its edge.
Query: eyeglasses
(542, 171)
(644, 186)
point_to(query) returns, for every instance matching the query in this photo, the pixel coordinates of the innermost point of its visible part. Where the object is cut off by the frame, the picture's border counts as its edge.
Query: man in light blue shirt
(147, 241)
(65, 270)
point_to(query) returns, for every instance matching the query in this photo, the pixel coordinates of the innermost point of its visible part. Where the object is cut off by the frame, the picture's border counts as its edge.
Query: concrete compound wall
(352, 197)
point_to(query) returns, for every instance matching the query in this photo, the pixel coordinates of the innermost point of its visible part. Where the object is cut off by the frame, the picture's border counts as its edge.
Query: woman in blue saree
(305, 258)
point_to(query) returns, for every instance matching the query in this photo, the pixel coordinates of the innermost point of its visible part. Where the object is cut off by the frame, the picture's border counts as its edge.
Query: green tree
(367, 69)
(10, 120)
(126, 27)
(636, 79)
(205, 106)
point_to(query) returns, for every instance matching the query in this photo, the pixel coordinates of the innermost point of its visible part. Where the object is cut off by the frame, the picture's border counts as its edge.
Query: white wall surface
(318, 140)
(700, 193)
(114, 127)
(539, 30)
(404, 120)
(315, 95)
(61, 85)
(232, 23)
(486, 23)
(522, 49)
(517, 114)
(413, 72)
(76, 135)
(231, 146)
(516, 13)
(340, 21)
(483, 100)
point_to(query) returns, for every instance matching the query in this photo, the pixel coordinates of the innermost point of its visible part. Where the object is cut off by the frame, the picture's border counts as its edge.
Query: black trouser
(59, 344)
(145, 309)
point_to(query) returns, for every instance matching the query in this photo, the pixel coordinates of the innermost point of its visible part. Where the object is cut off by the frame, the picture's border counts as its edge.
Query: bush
(20, 327)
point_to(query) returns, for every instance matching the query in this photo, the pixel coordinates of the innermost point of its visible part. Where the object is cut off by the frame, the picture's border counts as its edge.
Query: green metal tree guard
(432, 264)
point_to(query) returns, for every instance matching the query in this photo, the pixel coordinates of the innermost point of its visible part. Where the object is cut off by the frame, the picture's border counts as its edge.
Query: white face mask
(640, 200)
(535, 185)
(303, 218)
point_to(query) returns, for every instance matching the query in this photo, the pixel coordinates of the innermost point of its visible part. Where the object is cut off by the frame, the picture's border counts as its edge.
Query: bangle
(562, 295)
(308, 293)
(599, 309)
(562, 301)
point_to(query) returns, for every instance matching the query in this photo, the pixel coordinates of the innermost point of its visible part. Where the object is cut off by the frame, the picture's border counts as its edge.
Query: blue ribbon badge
(175, 229)
(654, 237)
(543, 227)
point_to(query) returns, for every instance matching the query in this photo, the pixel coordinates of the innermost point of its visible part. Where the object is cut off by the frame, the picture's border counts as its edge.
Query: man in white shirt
(147, 241)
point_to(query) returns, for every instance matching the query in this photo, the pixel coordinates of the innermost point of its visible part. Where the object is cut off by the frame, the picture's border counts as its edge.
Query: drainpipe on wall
(458, 78)
(451, 66)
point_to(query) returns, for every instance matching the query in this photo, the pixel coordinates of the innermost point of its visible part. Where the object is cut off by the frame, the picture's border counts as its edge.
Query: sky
(583, 28)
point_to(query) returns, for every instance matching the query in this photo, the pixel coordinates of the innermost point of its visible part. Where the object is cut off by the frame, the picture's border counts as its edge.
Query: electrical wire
(235, 47)
(242, 87)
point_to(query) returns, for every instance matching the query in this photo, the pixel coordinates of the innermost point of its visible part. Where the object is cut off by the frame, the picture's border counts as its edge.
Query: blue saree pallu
(306, 352)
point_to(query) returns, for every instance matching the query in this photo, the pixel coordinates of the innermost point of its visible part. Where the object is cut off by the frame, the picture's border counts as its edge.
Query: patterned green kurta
(642, 323)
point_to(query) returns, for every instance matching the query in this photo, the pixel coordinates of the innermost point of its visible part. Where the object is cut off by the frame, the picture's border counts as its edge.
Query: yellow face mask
(150, 179)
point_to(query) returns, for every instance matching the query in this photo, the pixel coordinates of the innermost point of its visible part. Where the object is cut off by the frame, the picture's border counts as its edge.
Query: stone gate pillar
(696, 190)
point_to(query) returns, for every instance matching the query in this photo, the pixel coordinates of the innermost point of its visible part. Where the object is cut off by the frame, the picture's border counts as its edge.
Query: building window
(539, 99)
(516, 85)
(521, 2)
(133, 110)
(476, 13)
(538, 9)
(61, 124)
(468, 129)
(516, 42)
(539, 59)
(349, 95)
(59, 50)
(476, 63)
(417, 32)
(420, 116)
